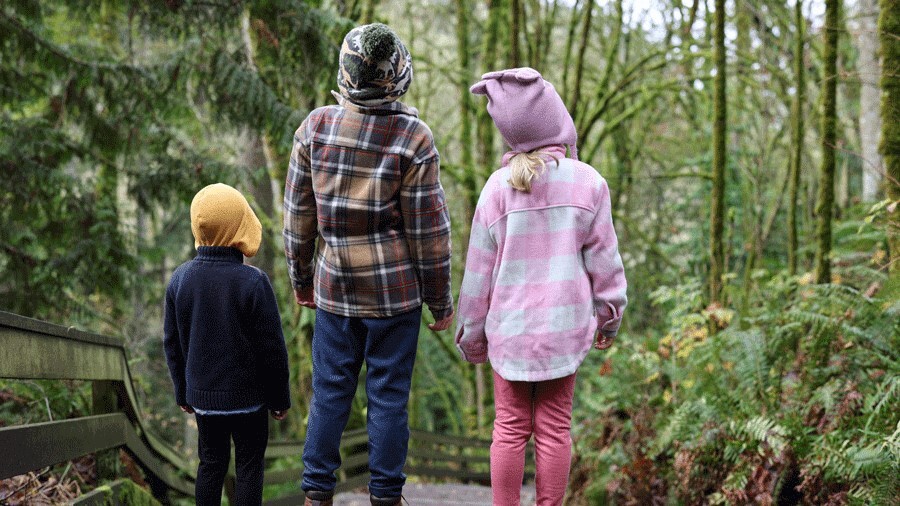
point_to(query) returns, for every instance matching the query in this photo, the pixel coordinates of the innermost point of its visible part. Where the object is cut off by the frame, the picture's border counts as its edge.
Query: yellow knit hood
(221, 216)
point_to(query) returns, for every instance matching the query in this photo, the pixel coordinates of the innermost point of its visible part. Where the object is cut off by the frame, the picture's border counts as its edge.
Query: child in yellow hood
(224, 345)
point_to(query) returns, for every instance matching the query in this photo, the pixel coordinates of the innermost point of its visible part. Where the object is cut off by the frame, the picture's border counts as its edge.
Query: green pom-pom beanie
(378, 42)
(375, 66)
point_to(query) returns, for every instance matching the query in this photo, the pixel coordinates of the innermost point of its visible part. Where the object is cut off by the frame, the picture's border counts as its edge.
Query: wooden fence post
(104, 399)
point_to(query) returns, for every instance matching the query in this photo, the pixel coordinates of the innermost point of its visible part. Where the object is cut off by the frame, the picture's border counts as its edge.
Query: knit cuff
(280, 401)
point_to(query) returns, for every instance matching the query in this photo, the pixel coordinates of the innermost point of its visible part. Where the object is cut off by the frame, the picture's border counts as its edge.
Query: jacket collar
(395, 107)
(220, 254)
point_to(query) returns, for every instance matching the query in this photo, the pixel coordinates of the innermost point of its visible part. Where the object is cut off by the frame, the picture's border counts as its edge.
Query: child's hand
(305, 297)
(279, 415)
(442, 324)
(603, 342)
(187, 409)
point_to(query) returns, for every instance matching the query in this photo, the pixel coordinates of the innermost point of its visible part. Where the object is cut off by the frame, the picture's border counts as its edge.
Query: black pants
(250, 433)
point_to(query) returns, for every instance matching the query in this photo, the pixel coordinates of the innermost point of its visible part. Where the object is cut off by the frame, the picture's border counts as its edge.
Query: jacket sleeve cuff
(279, 396)
(473, 358)
(439, 312)
(609, 326)
(302, 282)
(282, 405)
(473, 350)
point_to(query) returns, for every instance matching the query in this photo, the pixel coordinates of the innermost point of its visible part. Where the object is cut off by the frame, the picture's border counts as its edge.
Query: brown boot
(317, 498)
(385, 501)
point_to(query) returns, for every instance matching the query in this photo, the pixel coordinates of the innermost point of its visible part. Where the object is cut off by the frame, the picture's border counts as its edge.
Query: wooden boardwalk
(417, 494)
(55, 353)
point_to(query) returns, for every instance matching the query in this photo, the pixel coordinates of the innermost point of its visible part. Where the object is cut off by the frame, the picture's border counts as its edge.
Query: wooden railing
(33, 349)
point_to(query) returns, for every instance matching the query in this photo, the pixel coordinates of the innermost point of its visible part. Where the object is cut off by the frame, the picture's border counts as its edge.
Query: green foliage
(127, 492)
(258, 106)
(798, 402)
(78, 120)
(43, 400)
(52, 224)
(113, 114)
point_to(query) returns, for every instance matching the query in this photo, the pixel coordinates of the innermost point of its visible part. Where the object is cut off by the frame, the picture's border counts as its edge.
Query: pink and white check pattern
(543, 273)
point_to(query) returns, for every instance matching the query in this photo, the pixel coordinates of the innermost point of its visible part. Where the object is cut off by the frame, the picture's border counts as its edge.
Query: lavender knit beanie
(527, 110)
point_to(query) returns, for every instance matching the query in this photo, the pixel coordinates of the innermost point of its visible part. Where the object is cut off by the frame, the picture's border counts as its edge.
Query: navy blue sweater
(223, 338)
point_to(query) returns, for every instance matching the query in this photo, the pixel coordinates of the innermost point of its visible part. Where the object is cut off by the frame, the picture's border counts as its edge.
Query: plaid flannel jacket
(365, 214)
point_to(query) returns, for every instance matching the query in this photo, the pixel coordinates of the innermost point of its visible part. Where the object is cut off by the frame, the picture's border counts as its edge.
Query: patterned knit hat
(375, 66)
(221, 216)
(527, 110)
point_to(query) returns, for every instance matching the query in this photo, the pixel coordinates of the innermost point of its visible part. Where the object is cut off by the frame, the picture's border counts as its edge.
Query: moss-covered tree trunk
(797, 133)
(825, 200)
(252, 156)
(465, 98)
(471, 182)
(568, 49)
(485, 129)
(888, 30)
(544, 33)
(368, 13)
(717, 204)
(579, 61)
(515, 27)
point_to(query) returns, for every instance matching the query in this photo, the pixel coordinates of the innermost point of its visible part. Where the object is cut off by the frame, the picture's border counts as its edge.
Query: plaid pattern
(365, 183)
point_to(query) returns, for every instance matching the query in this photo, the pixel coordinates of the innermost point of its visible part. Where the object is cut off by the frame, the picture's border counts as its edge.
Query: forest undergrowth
(797, 401)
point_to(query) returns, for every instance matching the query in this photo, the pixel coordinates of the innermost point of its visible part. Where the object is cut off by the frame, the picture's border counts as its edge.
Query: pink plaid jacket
(543, 273)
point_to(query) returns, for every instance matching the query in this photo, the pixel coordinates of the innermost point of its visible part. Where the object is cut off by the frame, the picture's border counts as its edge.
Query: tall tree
(463, 50)
(467, 157)
(825, 200)
(888, 28)
(720, 117)
(579, 60)
(797, 133)
(252, 157)
(515, 28)
(484, 125)
(567, 51)
(869, 97)
(368, 14)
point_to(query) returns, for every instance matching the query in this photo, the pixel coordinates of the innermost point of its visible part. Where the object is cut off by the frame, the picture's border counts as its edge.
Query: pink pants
(542, 408)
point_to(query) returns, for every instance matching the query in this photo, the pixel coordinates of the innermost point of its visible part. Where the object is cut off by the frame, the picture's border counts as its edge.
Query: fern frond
(761, 430)
(888, 394)
(826, 395)
(684, 424)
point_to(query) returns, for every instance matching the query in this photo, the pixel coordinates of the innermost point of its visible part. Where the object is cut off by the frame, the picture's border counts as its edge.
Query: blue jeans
(340, 345)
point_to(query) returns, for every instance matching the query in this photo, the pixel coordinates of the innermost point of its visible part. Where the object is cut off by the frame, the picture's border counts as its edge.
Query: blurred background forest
(751, 148)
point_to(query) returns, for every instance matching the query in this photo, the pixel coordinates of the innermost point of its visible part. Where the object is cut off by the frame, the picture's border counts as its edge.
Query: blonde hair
(524, 167)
